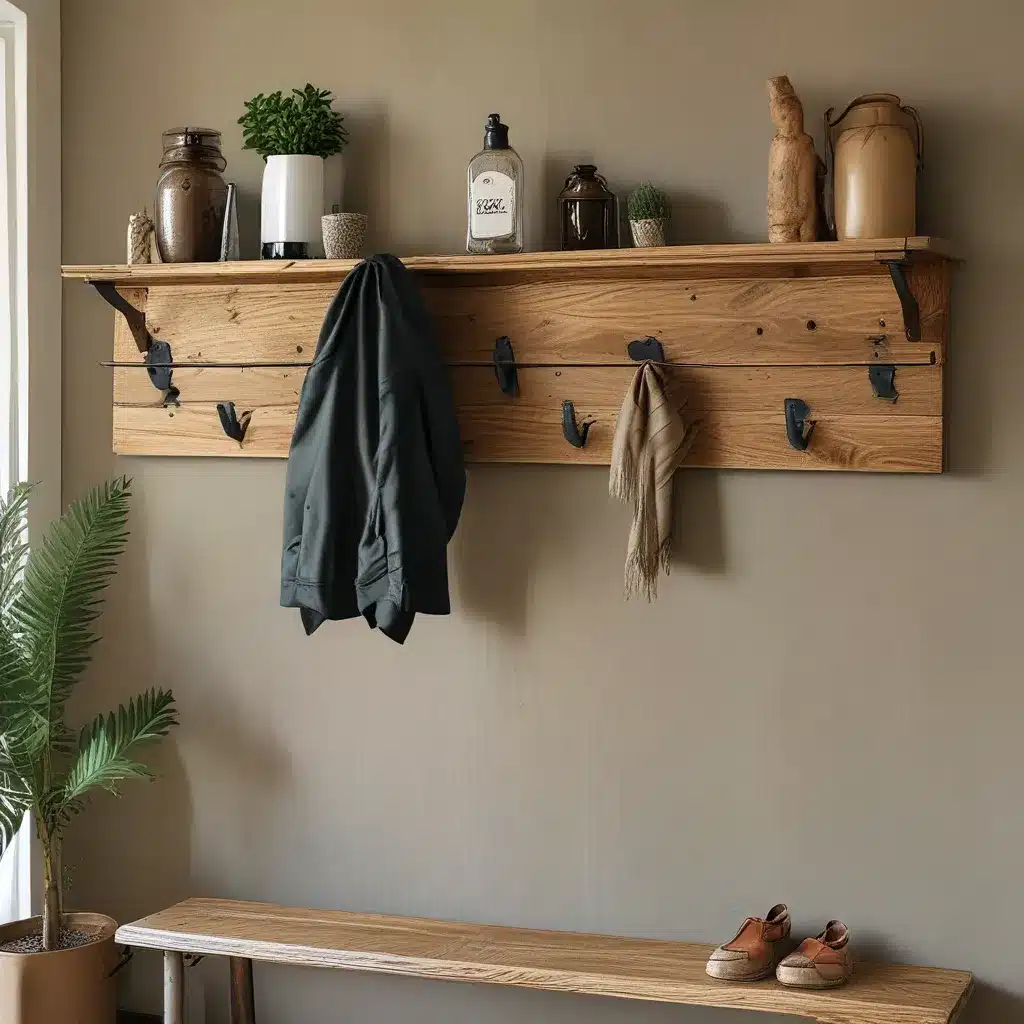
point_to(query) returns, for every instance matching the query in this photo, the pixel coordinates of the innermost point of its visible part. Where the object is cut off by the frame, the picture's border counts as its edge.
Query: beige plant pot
(67, 986)
(344, 234)
(647, 233)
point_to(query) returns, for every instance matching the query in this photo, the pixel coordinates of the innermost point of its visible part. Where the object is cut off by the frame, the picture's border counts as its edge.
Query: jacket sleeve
(328, 477)
(420, 477)
(403, 558)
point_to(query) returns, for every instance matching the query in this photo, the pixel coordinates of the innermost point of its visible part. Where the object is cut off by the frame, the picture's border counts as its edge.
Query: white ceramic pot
(293, 203)
(647, 233)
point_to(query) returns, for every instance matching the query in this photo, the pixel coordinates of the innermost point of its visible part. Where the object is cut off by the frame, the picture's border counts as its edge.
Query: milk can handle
(829, 197)
(920, 134)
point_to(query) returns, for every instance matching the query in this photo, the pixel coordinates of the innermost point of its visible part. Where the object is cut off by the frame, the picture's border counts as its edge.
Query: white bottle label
(493, 197)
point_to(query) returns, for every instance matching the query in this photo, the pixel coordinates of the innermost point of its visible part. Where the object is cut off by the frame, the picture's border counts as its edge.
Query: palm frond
(103, 746)
(15, 800)
(13, 549)
(59, 599)
(15, 680)
(13, 542)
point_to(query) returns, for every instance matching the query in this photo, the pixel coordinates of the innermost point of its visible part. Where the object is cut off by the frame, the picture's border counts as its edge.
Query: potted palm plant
(295, 135)
(56, 969)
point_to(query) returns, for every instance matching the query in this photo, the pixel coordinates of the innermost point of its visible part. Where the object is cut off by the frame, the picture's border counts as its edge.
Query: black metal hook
(159, 366)
(573, 434)
(798, 427)
(646, 348)
(233, 425)
(883, 381)
(505, 366)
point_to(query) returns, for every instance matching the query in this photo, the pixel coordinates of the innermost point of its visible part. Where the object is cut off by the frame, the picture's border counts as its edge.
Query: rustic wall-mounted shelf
(842, 326)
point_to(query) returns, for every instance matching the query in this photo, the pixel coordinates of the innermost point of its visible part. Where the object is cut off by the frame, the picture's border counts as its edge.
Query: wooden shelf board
(533, 434)
(660, 971)
(795, 254)
(712, 322)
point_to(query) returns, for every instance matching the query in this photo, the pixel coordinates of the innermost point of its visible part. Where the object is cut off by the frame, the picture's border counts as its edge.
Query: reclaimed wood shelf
(743, 328)
(601, 965)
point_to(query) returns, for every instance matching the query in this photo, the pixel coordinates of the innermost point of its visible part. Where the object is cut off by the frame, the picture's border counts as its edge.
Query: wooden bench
(602, 965)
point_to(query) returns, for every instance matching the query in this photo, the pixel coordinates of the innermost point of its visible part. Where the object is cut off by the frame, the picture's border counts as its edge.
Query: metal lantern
(587, 215)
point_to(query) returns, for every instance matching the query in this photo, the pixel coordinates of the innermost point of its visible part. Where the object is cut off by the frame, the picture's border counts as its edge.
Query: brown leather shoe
(823, 962)
(755, 950)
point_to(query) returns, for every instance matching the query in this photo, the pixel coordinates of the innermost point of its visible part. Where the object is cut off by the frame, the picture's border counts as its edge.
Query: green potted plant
(50, 598)
(648, 211)
(294, 134)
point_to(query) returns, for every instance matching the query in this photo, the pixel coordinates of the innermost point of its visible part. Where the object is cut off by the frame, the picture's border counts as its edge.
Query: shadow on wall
(368, 171)
(517, 534)
(153, 869)
(991, 1004)
(252, 772)
(960, 149)
(698, 536)
(501, 536)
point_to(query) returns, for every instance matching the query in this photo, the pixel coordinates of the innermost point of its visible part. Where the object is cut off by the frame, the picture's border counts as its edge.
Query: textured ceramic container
(292, 205)
(647, 233)
(344, 234)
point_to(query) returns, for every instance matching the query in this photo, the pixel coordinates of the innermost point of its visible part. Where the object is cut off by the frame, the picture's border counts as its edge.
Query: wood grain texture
(835, 389)
(123, 338)
(749, 322)
(532, 433)
(660, 971)
(795, 254)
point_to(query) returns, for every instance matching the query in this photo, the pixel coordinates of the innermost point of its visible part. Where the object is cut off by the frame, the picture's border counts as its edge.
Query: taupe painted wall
(825, 706)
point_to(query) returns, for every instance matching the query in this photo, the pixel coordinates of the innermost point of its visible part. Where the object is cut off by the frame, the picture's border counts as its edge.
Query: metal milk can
(190, 196)
(873, 151)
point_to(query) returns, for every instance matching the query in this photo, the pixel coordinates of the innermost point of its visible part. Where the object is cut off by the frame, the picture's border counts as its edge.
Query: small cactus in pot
(648, 211)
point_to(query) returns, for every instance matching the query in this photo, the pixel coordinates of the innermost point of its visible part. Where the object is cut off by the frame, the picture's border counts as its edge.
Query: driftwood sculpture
(792, 166)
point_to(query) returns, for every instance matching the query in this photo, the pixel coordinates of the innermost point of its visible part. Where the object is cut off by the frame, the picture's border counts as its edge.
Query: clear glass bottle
(495, 188)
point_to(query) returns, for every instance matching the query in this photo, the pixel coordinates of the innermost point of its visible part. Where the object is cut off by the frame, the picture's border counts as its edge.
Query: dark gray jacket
(375, 475)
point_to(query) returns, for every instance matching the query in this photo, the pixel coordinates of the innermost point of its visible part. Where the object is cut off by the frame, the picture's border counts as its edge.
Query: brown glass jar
(587, 211)
(190, 196)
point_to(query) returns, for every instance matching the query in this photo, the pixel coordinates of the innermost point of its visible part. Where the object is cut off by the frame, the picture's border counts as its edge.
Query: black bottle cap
(495, 133)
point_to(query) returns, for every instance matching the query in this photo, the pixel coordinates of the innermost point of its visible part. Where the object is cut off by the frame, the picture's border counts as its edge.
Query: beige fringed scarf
(651, 441)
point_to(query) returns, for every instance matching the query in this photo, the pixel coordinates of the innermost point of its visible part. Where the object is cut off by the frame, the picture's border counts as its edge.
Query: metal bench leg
(174, 987)
(243, 1001)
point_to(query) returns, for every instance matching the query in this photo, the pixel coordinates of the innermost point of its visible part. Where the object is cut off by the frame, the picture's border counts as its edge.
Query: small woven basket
(647, 233)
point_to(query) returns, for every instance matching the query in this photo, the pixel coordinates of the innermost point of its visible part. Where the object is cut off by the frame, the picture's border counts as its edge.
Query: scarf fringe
(623, 482)
(641, 576)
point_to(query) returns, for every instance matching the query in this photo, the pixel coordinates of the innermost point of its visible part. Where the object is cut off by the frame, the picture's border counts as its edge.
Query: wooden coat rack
(821, 355)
